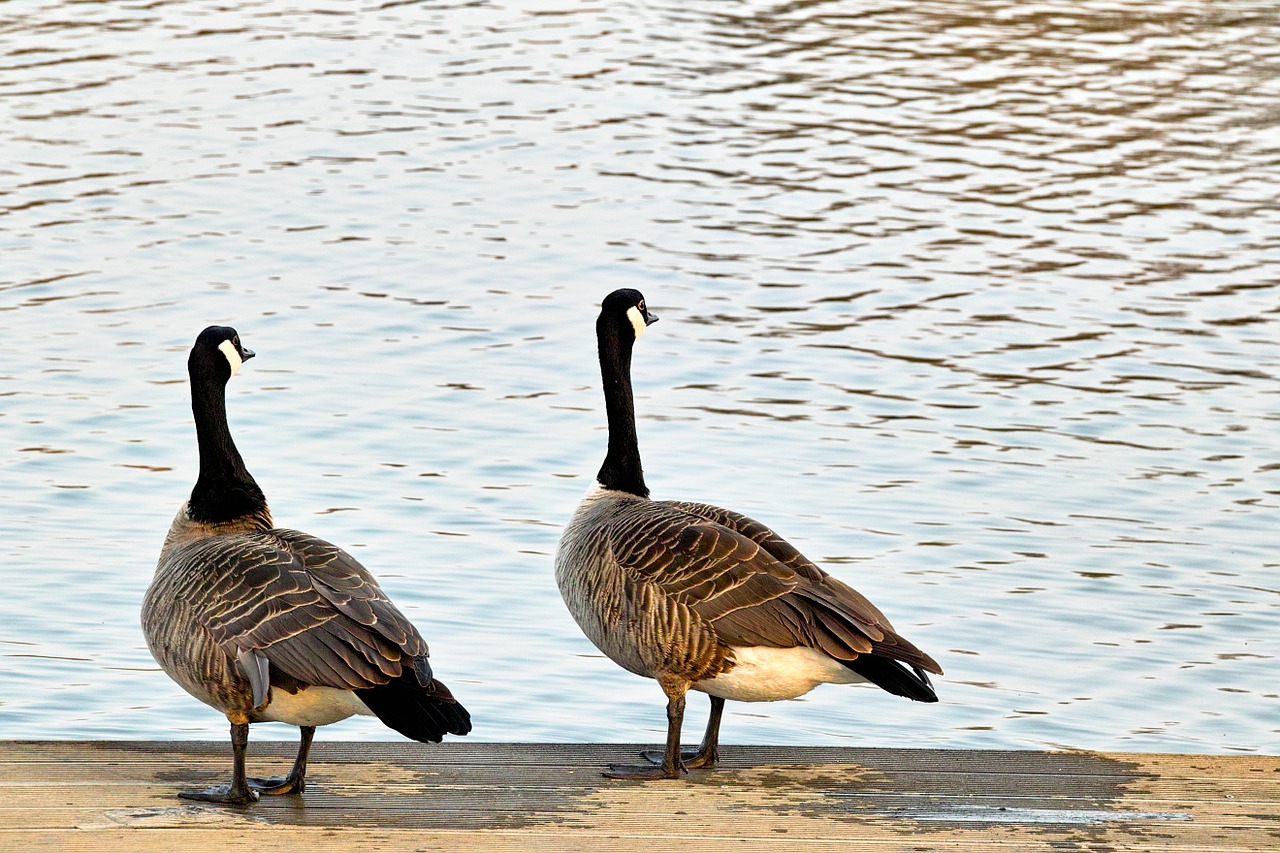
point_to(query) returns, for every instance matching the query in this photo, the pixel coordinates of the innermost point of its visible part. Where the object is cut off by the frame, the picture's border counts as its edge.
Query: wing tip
(421, 713)
(894, 677)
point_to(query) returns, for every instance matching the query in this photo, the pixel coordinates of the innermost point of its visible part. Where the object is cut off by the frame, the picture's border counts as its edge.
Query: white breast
(315, 706)
(764, 674)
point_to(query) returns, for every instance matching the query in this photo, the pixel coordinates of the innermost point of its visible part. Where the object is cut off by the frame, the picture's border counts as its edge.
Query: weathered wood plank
(108, 796)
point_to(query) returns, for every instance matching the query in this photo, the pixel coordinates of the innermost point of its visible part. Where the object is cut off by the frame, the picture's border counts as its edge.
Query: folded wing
(754, 589)
(309, 607)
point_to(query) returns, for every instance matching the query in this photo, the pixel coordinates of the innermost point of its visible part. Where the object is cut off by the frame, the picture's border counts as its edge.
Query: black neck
(621, 469)
(225, 490)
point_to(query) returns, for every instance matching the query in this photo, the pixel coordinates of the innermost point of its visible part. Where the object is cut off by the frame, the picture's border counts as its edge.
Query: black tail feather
(422, 713)
(890, 675)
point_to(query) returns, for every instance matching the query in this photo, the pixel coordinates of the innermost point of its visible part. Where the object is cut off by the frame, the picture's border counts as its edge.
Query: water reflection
(975, 296)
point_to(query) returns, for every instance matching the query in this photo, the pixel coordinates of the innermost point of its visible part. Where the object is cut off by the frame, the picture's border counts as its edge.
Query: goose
(269, 624)
(703, 598)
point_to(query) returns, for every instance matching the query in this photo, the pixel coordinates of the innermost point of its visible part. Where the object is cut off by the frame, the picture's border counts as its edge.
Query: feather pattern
(704, 579)
(315, 614)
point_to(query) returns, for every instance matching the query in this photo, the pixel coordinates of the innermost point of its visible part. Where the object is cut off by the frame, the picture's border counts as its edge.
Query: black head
(625, 309)
(217, 355)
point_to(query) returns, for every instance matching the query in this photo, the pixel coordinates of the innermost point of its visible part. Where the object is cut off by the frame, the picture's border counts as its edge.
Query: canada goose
(267, 624)
(703, 598)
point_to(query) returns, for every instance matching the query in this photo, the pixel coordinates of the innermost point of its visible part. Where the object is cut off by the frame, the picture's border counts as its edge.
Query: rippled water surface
(976, 302)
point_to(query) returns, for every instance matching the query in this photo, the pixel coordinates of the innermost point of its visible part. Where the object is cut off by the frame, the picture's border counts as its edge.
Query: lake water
(975, 302)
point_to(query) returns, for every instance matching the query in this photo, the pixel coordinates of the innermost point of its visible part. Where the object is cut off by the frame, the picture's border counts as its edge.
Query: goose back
(220, 605)
(681, 588)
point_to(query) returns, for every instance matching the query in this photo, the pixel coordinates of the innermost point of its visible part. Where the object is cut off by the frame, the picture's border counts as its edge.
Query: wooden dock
(120, 796)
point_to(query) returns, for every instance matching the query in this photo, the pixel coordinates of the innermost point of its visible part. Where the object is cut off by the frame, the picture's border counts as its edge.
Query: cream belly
(764, 674)
(315, 706)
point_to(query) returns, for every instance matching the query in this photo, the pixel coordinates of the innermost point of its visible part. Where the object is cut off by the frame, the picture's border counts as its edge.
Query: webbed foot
(692, 759)
(642, 772)
(277, 785)
(225, 794)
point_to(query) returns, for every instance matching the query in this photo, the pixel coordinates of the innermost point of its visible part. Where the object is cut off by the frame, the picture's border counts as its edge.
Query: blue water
(974, 302)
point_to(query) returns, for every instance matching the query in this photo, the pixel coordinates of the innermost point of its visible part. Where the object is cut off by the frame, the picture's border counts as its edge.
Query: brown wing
(305, 605)
(750, 585)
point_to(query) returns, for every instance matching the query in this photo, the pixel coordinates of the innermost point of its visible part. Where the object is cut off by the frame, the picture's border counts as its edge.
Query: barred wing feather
(749, 584)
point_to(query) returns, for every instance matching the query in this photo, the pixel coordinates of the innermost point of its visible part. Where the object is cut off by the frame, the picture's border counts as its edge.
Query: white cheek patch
(637, 321)
(233, 357)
